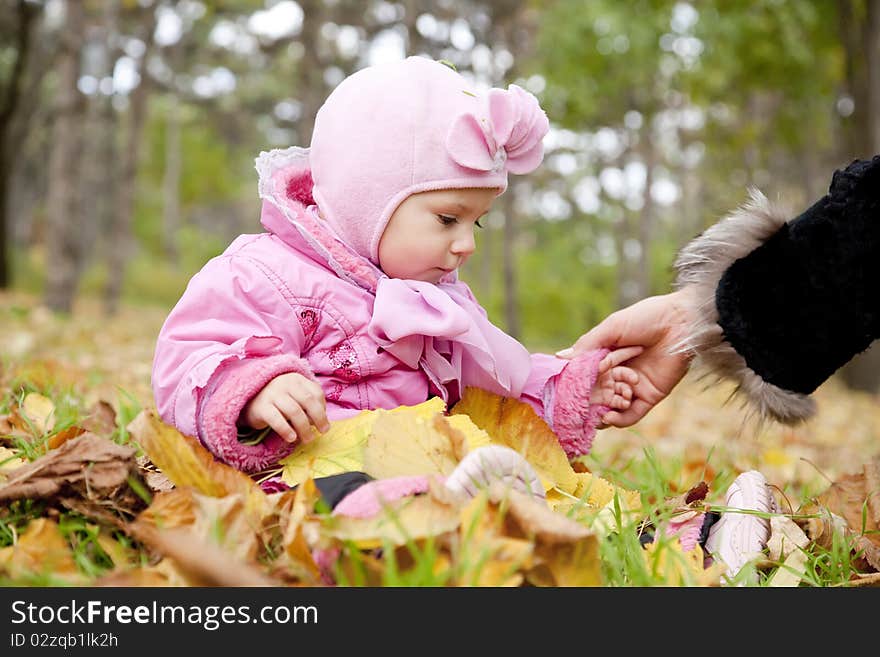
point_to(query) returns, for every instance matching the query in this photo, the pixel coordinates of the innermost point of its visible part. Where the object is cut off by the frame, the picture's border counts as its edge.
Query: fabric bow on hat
(510, 136)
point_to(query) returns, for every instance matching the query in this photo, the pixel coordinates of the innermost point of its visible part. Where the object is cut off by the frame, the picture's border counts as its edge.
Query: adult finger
(618, 356)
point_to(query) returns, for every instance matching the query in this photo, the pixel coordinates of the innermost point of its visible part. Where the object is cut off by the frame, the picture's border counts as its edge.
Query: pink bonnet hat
(392, 130)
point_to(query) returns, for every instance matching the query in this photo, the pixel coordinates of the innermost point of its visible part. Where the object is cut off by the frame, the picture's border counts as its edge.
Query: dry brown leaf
(203, 563)
(142, 576)
(101, 419)
(56, 440)
(872, 579)
(514, 423)
(41, 550)
(486, 555)
(90, 465)
(226, 522)
(854, 497)
(820, 525)
(173, 508)
(301, 535)
(406, 444)
(187, 463)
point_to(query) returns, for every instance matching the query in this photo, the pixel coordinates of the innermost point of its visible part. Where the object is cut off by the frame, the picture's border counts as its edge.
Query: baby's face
(432, 233)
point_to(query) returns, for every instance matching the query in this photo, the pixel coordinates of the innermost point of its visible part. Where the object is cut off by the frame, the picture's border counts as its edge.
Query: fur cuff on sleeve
(574, 418)
(700, 266)
(232, 387)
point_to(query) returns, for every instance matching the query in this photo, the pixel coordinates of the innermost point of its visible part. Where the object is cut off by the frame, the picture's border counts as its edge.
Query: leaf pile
(208, 524)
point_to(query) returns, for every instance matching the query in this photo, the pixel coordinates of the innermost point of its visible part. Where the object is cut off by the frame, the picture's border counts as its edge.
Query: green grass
(623, 561)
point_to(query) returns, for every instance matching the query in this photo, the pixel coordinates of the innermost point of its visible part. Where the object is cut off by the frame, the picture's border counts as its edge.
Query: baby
(350, 297)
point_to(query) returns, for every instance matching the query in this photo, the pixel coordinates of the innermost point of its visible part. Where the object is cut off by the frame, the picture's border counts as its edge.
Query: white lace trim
(268, 163)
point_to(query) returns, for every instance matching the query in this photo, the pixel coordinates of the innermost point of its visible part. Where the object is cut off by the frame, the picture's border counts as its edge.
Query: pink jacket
(294, 299)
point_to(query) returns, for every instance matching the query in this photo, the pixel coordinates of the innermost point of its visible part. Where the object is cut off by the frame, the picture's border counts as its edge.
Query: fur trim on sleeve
(700, 266)
(224, 399)
(574, 418)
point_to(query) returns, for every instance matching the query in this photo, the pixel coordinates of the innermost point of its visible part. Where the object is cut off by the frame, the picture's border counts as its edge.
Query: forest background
(129, 128)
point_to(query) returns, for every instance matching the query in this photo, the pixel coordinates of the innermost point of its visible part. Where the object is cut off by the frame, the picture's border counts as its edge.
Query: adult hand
(290, 404)
(657, 324)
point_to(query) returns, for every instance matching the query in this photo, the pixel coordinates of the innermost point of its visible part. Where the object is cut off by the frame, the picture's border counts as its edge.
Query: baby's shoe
(477, 470)
(739, 537)
(494, 463)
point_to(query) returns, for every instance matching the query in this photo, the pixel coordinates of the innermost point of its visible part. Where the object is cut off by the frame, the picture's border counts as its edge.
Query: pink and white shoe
(477, 470)
(494, 463)
(737, 538)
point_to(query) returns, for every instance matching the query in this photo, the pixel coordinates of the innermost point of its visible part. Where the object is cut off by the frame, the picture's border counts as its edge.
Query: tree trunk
(872, 63)
(120, 243)
(863, 371)
(855, 126)
(9, 104)
(171, 182)
(646, 216)
(63, 246)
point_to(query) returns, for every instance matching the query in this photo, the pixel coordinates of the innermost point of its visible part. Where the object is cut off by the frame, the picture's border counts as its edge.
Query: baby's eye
(446, 220)
(478, 224)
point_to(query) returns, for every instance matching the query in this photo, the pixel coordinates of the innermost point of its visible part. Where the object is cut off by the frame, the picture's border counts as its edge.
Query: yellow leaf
(341, 449)
(674, 567)
(475, 436)
(9, 461)
(402, 520)
(187, 463)
(790, 572)
(599, 492)
(407, 444)
(41, 550)
(39, 411)
(514, 423)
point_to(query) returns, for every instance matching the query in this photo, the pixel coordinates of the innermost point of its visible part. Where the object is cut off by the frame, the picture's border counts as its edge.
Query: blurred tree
(62, 244)
(20, 75)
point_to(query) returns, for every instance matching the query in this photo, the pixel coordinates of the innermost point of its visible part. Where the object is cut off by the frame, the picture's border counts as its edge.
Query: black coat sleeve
(783, 303)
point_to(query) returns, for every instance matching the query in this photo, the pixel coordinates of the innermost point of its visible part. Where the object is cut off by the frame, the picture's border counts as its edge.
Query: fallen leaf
(173, 508)
(57, 439)
(89, 465)
(401, 520)
(101, 419)
(41, 550)
(9, 461)
(854, 497)
(405, 444)
(669, 563)
(227, 523)
(791, 572)
(202, 562)
(785, 537)
(341, 449)
(39, 412)
(514, 423)
(187, 463)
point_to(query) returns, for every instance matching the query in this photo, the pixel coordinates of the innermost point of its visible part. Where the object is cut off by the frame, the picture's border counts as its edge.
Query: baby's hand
(290, 404)
(615, 383)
